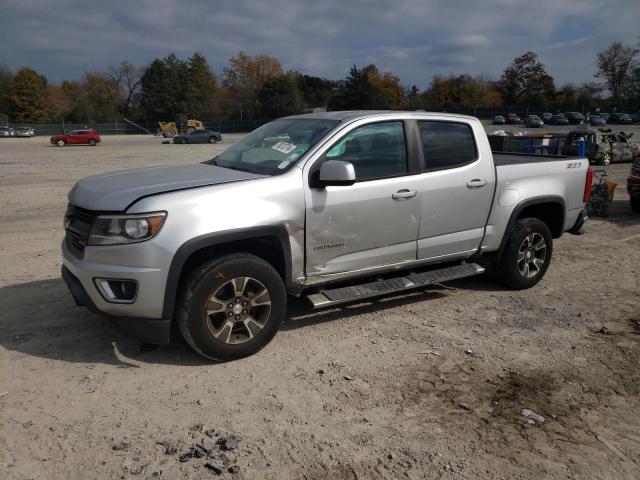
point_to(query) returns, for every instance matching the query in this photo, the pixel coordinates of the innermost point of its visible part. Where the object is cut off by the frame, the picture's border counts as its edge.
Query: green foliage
(279, 96)
(315, 91)
(526, 82)
(357, 92)
(6, 81)
(27, 97)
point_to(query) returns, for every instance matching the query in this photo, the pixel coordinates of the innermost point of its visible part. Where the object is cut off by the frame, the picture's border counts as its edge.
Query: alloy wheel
(238, 310)
(532, 255)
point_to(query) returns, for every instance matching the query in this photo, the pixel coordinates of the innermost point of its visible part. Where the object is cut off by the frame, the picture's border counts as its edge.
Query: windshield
(275, 147)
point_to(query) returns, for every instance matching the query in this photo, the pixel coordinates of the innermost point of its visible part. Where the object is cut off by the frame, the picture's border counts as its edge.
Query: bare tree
(128, 78)
(613, 66)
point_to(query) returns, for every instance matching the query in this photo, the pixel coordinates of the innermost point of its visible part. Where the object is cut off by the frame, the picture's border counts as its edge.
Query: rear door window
(447, 144)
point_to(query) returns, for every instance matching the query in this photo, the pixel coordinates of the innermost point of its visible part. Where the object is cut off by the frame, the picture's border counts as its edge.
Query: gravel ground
(430, 384)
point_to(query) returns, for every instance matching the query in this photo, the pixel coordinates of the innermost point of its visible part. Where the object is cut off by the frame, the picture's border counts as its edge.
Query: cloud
(413, 38)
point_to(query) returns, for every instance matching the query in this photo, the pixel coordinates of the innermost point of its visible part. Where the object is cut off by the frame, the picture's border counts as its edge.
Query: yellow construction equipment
(183, 124)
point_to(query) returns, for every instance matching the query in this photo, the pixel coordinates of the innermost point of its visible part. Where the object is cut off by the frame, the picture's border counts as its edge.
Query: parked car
(77, 137)
(604, 115)
(574, 118)
(547, 116)
(635, 117)
(25, 132)
(499, 120)
(513, 119)
(596, 120)
(216, 247)
(559, 119)
(620, 118)
(198, 136)
(603, 145)
(533, 121)
(633, 185)
(7, 132)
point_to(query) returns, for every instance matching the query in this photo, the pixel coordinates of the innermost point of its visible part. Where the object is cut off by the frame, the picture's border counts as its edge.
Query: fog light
(117, 291)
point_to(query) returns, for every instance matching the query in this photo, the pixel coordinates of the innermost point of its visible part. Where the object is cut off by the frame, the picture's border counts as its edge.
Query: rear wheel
(526, 256)
(635, 204)
(231, 307)
(605, 159)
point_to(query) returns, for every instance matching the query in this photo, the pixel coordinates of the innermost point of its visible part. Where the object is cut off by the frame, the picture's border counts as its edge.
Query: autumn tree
(128, 77)
(526, 81)
(614, 64)
(27, 97)
(389, 89)
(244, 78)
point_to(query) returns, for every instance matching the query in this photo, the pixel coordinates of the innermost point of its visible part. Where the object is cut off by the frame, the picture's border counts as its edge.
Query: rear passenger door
(456, 189)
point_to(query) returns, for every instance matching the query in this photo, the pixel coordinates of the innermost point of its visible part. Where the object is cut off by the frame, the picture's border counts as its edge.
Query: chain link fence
(244, 126)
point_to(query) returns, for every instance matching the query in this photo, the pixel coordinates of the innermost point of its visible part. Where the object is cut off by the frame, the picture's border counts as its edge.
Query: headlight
(117, 229)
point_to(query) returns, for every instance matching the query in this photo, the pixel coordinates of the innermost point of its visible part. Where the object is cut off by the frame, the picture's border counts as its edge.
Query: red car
(513, 119)
(77, 137)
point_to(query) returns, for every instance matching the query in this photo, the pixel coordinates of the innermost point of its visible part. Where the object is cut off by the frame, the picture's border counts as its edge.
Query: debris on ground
(214, 468)
(464, 406)
(348, 377)
(229, 442)
(3, 394)
(604, 331)
(120, 445)
(532, 416)
(170, 448)
(196, 451)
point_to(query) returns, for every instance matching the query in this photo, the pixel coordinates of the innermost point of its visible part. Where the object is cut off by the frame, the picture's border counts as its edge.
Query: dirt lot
(425, 385)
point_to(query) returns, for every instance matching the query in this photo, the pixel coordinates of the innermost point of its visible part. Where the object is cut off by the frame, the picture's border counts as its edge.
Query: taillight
(587, 185)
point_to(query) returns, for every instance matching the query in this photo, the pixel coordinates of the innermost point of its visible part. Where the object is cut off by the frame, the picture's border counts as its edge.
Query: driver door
(373, 222)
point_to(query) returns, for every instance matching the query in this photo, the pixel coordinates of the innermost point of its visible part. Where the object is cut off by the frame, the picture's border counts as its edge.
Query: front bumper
(143, 318)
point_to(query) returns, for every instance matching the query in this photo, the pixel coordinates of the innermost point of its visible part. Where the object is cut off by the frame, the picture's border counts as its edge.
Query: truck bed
(502, 159)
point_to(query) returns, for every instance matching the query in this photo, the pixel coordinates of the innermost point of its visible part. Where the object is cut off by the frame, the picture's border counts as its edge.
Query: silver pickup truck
(337, 206)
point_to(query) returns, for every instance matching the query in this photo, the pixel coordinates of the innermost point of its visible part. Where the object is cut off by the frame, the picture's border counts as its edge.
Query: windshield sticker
(284, 164)
(284, 147)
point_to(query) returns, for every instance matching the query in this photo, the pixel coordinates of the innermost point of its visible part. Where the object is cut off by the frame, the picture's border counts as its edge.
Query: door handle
(404, 194)
(476, 183)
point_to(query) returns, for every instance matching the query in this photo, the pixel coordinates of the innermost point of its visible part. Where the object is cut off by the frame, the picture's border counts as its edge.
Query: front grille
(78, 229)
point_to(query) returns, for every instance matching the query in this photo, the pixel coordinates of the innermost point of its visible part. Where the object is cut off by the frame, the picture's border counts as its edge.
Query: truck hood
(115, 192)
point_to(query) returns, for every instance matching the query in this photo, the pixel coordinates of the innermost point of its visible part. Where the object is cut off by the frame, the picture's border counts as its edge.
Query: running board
(335, 296)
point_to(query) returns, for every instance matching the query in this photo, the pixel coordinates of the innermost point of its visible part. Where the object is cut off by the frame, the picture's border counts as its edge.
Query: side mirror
(337, 172)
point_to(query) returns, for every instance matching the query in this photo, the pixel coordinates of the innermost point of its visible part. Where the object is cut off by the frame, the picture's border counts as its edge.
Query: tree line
(252, 87)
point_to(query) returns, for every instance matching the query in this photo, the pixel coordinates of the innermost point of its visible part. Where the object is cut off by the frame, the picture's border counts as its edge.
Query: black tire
(212, 139)
(92, 142)
(201, 286)
(635, 204)
(508, 269)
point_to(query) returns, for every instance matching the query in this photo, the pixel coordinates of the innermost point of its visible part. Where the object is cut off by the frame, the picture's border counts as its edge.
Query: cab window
(447, 144)
(376, 150)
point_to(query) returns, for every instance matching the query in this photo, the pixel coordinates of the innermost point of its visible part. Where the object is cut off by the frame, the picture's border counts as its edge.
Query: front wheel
(526, 256)
(92, 142)
(231, 307)
(212, 139)
(61, 143)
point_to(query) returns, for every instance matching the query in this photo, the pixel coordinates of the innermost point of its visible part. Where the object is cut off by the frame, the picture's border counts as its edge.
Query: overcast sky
(415, 39)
